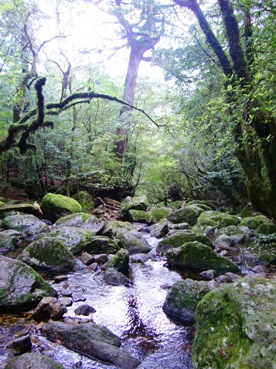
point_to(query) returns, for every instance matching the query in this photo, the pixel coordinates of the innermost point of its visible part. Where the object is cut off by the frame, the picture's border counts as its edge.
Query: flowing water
(133, 313)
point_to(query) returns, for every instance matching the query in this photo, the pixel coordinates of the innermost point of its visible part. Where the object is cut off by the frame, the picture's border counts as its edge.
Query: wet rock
(48, 253)
(253, 222)
(223, 279)
(159, 213)
(216, 219)
(102, 245)
(55, 206)
(177, 239)
(235, 326)
(20, 286)
(120, 261)
(94, 224)
(8, 240)
(66, 301)
(140, 216)
(60, 278)
(84, 310)
(100, 258)
(21, 344)
(49, 308)
(137, 203)
(26, 223)
(194, 255)
(74, 238)
(139, 258)
(183, 298)
(161, 229)
(86, 258)
(72, 220)
(66, 292)
(76, 296)
(91, 340)
(94, 267)
(208, 274)
(33, 361)
(115, 278)
(234, 235)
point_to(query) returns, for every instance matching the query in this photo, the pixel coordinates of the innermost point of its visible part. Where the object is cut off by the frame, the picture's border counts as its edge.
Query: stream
(133, 313)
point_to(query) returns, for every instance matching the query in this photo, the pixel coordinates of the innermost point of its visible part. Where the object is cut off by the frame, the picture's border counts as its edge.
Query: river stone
(140, 216)
(216, 219)
(94, 224)
(102, 245)
(159, 213)
(127, 237)
(92, 340)
(56, 206)
(237, 234)
(48, 253)
(235, 326)
(186, 214)
(8, 240)
(72, 220)
(115, 278)
(160, 229)
(84, 310)
(254, 221)
(177, 239)
(137, 203)
(195, 255)
(74, 238)
(33, 361)
(183, 298)
(26, 223)
(20, 286)
(120, 261)
(49, 308)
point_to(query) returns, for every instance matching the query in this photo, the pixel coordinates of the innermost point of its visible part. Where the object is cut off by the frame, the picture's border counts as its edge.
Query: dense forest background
(207, 126)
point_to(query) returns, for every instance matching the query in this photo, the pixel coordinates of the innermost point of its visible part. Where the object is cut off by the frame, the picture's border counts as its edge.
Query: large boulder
(120, 261)
(33, 360)
(182, 299)
(140, 216)
(216, 219)
(94, 224)
(20, 286)
(56, 206)
(72, 220)
(177, 239)
(195, 255)
(127, 237)
(159, 213)
(26, 223)
(74, 238)
(8, 240)
(137, 203)
(92, 340)
(48, 253)
(186, 214)
(101, 245)
(235, 326)
(253, 222)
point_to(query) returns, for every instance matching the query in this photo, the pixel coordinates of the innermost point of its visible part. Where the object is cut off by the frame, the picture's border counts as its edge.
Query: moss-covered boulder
(120, 261)
(127, 237)
(140, 216)
(33, 360)
(137, 203)
(235, 326)
(182, 299)
(177, 239)
(186, 214)
(20, 286)
(48, 253)
(216, 219)
(253, 222)
(236, 234)
(86, 201)
(101, 245)
(159, 213)
(8, 240)
(72, 220)
(74, 238)
(195, 255)
(26, 223)
(266, 228)
(56, 206)
(94, 224)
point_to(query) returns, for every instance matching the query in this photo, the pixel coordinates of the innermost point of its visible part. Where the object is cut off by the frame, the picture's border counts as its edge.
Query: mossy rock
(186, 214)
(235, 326)
(48, 253)
(183, 297)
(74, 238)
(216, 219)
(120, 261)
(73, 220)
(137, 203)
(255, 221)
(101, 245)
(140, 216)
(205, 205)
(266, 228)
(85, 200)
(33, 360)
(20, 286)
(267, 258)
(195, 255)
(159, 213)
(56, 206)
(175, 204)
(26, 223)
(177, 239)
(8, 240)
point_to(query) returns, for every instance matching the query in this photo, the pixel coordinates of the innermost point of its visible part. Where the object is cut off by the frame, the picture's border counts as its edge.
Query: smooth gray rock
(33, 361)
